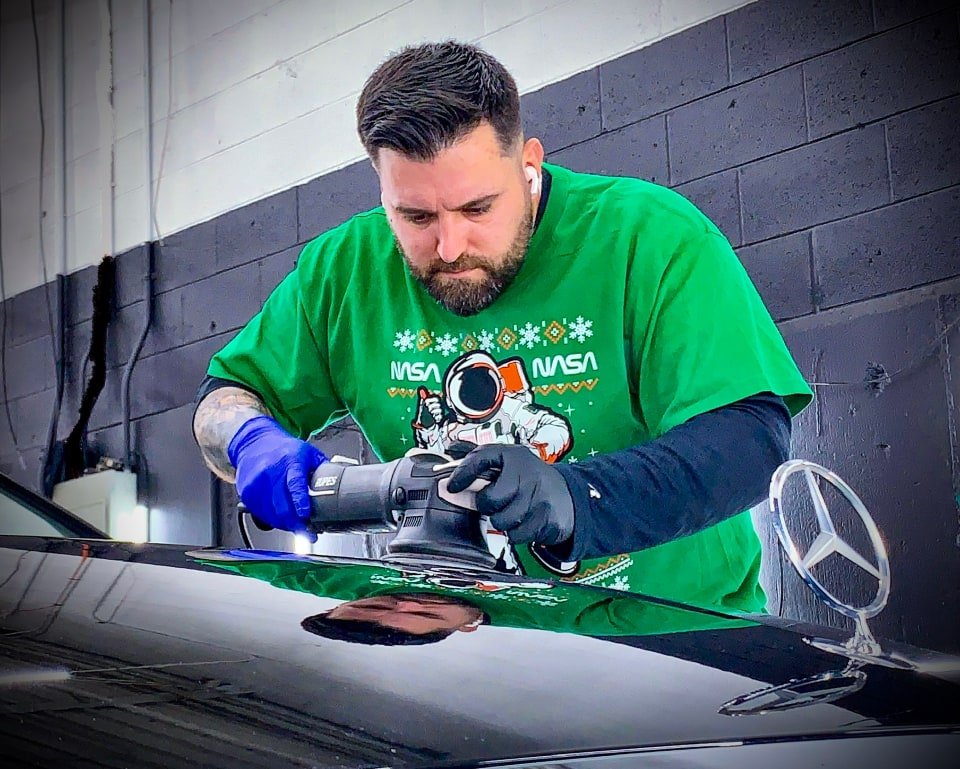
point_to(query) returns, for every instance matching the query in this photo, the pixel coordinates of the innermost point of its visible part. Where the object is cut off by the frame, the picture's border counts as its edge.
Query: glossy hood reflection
(402, 605)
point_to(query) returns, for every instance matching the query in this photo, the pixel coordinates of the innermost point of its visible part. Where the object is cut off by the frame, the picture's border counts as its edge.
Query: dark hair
(426, 97)
(370, 633)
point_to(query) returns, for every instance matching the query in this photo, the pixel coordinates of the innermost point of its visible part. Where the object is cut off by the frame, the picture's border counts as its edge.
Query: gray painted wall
(822, 137)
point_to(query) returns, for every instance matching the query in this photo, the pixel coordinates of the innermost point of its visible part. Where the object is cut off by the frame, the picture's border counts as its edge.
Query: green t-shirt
(631, 314)
(507, 600)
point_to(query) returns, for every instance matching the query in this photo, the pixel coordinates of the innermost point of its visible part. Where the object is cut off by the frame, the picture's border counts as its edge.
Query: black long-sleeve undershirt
(698, 474)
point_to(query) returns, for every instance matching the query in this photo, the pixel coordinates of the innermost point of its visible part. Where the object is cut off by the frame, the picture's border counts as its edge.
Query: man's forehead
(466, 172)
(481, 142)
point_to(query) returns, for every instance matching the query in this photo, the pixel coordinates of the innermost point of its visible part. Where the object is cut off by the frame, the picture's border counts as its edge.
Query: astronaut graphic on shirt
(483, 401)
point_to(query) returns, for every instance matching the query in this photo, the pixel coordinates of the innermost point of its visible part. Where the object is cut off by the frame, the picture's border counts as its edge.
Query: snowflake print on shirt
(447, 345)
(529, 335)
(580, 329)
(485, 340)
(404, 340)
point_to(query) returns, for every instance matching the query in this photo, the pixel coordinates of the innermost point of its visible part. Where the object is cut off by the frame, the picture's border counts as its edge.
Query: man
(596, 336)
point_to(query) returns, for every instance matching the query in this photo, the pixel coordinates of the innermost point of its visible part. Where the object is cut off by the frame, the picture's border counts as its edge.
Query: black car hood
(117, 654)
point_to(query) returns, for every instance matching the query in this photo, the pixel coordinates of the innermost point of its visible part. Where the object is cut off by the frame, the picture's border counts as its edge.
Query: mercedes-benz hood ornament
(862, 646)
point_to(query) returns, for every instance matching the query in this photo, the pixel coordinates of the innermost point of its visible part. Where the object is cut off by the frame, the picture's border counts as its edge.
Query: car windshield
(23, 513)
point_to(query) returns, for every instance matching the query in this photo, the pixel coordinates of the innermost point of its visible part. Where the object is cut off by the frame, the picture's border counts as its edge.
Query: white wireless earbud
(534, 178)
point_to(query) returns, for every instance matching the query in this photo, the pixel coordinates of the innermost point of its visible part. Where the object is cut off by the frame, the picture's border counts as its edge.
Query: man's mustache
(462, 264)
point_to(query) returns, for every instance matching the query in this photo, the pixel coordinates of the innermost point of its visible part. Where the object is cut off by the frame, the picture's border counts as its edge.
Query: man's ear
(376, 170)
(532, 153)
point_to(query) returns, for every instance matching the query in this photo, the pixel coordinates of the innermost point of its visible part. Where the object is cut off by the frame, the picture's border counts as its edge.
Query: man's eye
(476, 210)
(419, 219)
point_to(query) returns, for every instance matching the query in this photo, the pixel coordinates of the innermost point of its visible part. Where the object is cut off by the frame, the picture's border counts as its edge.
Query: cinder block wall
(823, 139)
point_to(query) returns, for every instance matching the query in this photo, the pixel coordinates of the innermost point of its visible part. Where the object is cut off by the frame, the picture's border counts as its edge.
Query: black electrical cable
(135, 355)
(142, 470)
(242, 514)
(216, 499)
(242, 525)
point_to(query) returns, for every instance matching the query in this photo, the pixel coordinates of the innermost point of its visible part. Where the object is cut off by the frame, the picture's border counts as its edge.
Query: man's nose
(451, 240)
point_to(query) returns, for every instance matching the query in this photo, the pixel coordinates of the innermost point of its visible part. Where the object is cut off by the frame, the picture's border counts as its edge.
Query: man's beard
(463, 296)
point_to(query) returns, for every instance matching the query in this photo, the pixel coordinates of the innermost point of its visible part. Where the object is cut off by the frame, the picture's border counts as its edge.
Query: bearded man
(596, 337)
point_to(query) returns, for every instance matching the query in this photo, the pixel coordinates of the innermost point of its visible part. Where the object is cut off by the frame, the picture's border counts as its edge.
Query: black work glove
(528, 501)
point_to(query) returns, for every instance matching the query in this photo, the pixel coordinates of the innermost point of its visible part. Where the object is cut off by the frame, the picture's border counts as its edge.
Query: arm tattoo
(217, 419)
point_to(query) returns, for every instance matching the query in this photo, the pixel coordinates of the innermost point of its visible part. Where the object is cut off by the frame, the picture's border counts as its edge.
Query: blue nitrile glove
(273, 474)
(528, 500)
